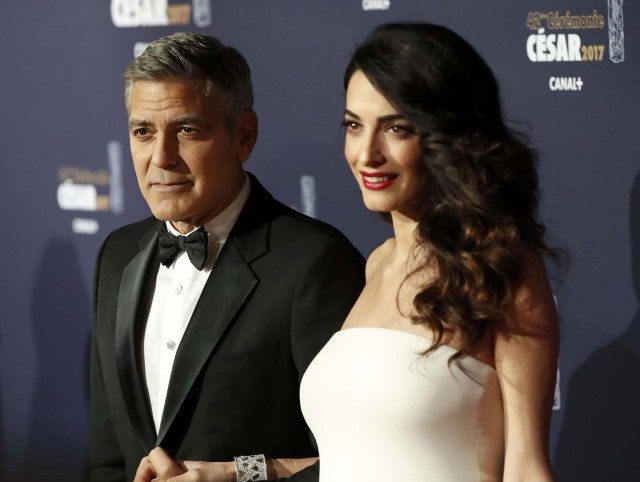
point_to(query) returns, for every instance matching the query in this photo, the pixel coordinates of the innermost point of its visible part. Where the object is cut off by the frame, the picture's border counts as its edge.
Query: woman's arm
(526, 364)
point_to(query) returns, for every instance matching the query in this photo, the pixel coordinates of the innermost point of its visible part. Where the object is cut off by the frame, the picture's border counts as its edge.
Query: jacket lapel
(230, 283)
(133, 298)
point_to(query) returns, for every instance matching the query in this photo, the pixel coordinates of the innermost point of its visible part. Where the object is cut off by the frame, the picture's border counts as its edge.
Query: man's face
(187, 161)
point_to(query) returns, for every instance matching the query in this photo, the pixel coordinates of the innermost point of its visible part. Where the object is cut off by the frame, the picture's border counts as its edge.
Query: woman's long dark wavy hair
(478, 216)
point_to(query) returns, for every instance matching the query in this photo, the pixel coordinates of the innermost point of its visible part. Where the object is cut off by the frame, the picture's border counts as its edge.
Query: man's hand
(158, 466)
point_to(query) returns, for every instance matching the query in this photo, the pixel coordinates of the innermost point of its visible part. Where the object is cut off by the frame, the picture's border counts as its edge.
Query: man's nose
(165, 151)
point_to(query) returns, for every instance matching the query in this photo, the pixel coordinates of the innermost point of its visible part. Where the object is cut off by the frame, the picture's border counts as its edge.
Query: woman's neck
(404, 229)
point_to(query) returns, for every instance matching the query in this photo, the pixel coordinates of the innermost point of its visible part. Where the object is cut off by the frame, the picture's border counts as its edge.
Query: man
(200, 342)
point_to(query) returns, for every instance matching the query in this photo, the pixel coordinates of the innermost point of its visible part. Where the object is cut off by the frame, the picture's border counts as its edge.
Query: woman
(444, 369)
(456, 329)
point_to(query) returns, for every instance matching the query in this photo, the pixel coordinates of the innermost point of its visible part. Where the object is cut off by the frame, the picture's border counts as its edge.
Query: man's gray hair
(199, 57)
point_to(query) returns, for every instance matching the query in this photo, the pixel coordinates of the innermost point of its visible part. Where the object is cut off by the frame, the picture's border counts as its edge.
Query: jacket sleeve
(106, 458)
(106, 461)
(327, 289)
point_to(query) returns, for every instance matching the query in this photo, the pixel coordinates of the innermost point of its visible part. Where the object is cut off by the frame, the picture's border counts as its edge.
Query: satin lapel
(230, 283)
(135, 290)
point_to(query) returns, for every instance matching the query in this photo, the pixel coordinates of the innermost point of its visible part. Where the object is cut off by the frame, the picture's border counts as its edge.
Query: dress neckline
(425, 338)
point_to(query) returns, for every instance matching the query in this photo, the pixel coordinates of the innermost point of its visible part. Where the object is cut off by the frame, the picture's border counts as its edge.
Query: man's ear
(246, 134)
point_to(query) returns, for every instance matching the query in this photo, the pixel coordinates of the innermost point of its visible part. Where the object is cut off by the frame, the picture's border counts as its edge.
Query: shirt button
(178, 289)
(171, 345)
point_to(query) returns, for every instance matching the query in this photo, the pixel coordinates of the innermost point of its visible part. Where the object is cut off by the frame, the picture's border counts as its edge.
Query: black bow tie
(170, 246)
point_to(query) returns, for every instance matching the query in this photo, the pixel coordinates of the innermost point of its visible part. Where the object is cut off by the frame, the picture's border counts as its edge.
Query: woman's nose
(370, 153)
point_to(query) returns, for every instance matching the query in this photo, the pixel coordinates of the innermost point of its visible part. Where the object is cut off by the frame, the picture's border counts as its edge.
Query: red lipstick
(376, 181)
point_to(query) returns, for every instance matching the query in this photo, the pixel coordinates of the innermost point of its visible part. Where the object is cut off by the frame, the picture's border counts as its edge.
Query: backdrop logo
(565, 83)
(159, 13)
(308, 195)
(376, 5)
(202, 13)
(573, 38)
(116, 182)
(139, 48)
(78, 189)
(557, 396)
(616, 31)
(555, 46)
(89, 190)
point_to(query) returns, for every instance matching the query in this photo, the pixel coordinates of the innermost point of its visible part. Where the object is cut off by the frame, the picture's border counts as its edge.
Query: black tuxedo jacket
(281, 286)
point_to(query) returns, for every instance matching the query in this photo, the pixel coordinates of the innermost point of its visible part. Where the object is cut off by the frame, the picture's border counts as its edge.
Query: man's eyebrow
(190, 120)
(133, 122)
(187, 120)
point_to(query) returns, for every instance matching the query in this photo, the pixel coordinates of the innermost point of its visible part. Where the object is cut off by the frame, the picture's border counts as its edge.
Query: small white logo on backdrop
(376, 5)
(308, 195)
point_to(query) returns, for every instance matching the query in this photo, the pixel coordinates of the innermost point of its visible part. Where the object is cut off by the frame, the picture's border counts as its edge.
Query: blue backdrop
(569, 71)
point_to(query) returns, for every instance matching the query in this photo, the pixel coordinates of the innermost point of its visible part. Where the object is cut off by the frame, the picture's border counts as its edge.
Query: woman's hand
(158, 466)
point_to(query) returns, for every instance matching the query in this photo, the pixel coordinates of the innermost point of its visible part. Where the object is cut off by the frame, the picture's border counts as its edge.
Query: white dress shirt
(177, 290)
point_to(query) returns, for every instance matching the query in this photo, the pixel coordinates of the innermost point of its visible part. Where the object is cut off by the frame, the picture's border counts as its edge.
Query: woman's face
(383, 149)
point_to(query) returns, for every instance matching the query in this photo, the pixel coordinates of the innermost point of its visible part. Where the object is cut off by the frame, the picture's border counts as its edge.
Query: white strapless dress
(381, 411)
